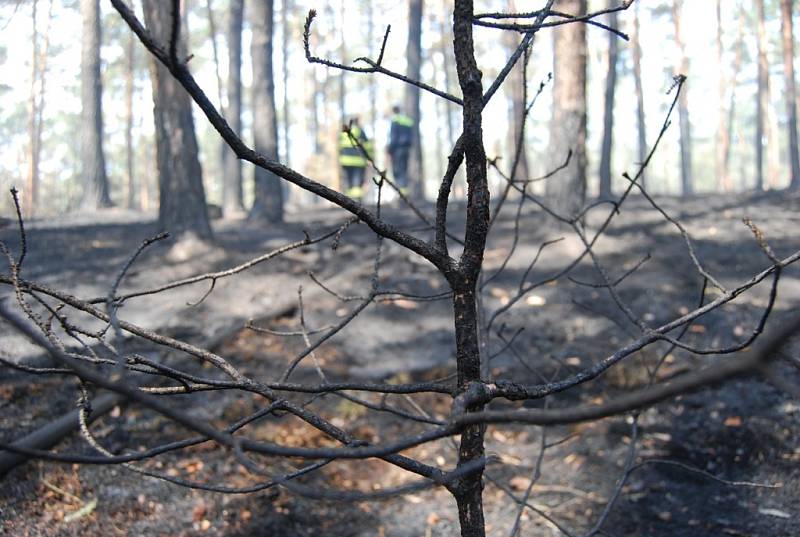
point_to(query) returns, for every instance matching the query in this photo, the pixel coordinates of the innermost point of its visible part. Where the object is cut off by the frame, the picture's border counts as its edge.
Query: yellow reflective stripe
(355, 192)
(352, 160)
(405, 121)
(345, 139)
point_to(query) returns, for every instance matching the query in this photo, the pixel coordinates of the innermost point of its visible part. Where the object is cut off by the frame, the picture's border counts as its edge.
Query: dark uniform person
(352, 158)
(401, 135)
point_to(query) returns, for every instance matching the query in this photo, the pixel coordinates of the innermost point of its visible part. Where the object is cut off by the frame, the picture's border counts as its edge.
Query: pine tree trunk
(687, 184)
(130, 70)
(790, 92)
(232, 196)
(734, 83)
(286, 8)
(567, 189)
(447, 70)
(516, 87)
(608, 116)
(30, 195)
(762, 94)
(412, 108)
(641, 127)
(268, 202)
(182, 201)
(93, 162)
(372, 88)
(723, 141)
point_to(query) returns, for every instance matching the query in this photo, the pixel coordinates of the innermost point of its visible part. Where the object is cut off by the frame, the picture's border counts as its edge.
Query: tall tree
(286, 8)
(722, 141)
(516, 87)
(687, 183)
(414, 66)
(734, 83)
(790, 92)
(268, 201)
(608, 113)
(232, 197)
(372, 88)
(641, 127)
(224, 152)
(130, 75)
(763, 125)
(342, 78)
(568, 123)
(445, 42)
(182, 200)
(31, 192)
(36, 102)
(93, 162)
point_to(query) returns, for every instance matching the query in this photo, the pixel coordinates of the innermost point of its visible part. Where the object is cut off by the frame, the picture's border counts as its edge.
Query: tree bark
(182, 201)
(232, 196)
(687, 182)
(93, 162)
(468, 491)
(641, 127)
(268, 202)
(567, 189)
(608, 115)
(412, 108)
(790, 92)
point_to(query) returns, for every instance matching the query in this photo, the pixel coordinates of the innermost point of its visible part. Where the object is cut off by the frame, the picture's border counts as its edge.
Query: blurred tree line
(88, 138)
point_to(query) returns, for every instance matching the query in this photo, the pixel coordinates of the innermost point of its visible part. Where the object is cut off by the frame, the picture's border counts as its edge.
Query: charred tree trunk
(687, 182)
(468, 490)
(414, 62)
(608, 115)
(182, 201)
(268, 202)
(567, 190)
(93, 162)
(232, 197)
(790, 92)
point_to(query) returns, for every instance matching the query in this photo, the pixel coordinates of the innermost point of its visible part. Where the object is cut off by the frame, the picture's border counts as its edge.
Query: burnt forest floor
(741, 434)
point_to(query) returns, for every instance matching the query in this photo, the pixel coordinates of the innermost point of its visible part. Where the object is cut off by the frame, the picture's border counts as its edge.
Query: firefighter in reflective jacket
(352, 158)
(401, 134)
